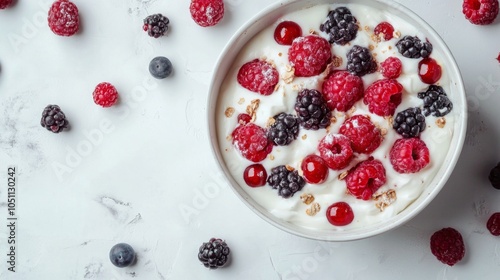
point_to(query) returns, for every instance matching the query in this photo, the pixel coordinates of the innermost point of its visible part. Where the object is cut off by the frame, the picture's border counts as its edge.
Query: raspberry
(341, 90)
(340, 25)
(63, 18)
(384, 30)
(284, 130)
(251, 141)
(105, 94)
(244, 118)
(336, 151)
(314, 169)
(214, 253)
(391, 68)
(5, 3)
(493, 224)
(409, 123)
(286, 181)
(366, 178)
(436, 101)
(53, 119)
(448, 246)
(156, 25)
(412, 47)
(309, 55)
(339, 214)
(364, 135)
(207, 12)
(312, 110)
(360, 61)
(480, 12)
(498, 57)
(383, 97)
(409, 155)
(494, 176)
(258, 76)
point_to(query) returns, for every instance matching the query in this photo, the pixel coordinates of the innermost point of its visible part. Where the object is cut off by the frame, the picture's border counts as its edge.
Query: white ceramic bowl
(266, 18)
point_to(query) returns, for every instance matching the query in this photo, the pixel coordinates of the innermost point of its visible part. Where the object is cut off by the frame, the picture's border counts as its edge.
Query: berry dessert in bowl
(337, 120)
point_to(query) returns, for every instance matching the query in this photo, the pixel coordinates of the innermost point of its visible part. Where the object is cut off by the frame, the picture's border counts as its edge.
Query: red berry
(207, 12)
(383, 97)
(391, 68)
(339, 214)
(341, 90)
(386, 29)
(364, 135)
(5, 3)
(366, 178)
(258, 76)
(409, 155)
(448, 246)
(105, 94)
(336, 151)
(286, 32)
(63, 18)
(251, 141)
(498, 57)
(309, 55)
(255, 175)
(244, 118)
(480, 12)
(429, 71)
(493, 224)
(314, 169)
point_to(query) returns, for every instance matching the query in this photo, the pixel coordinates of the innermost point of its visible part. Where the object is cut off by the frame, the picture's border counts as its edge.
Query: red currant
(429, 71)
(314, 169)
(286, 32)
(339, 214)
(386, 29)
(255, 175)
(244, 119)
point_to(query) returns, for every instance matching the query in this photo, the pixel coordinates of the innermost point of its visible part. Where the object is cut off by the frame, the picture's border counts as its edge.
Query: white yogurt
(408, 187)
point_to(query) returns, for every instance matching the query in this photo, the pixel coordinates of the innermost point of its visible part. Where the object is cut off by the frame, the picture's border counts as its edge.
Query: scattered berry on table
(435, 101)
(63, 18)
(255, 175)
(244, 118)
(447, 245)
(498, 57)
(391, 68)
(53, 119)
(286, 32)
(480, 12)
(493, 224)
(207, 12)
(494, 176)
(360, 61)
(286, 180)
(284, 130)
(314, 169)
(156, 25)
(340, 25)
(409, 155)
(258, 76)
(309, 55)
(214, 253)
(312, 110)
(251, 141)
(384, 30)
(105, 94)
(429, 71)
(341, 90)
(383, 97)
(160, 67)
(413, 47)
(364, 135)
(5, 3)
(409, 123)
(339, 214)
(122, 255)
(336, 151)
(366, 178)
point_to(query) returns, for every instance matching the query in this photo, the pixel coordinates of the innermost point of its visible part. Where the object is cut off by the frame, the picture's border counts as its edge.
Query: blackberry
(409, 123)
(156, 25)
(360, 61)
(340, 25)
(286, 181)
(312, 111)
(495, 176)
(214, 253)
(435, 101)
(53, 119)
(284, 130)
(412, 47)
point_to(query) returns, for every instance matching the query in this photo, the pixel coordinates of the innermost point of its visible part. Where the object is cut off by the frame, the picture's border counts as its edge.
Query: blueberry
(122, 255)
(160, 67)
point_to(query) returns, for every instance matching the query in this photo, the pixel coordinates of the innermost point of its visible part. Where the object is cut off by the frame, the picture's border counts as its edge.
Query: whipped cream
(408, 187)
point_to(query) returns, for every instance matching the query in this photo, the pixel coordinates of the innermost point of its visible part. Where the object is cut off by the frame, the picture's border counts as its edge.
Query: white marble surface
(142, 172)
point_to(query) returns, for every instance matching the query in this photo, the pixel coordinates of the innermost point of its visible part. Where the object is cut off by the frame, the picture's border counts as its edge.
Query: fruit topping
(251, 141)
(286, 32)
(383, 97)
(341, 90)
(339, 214)
(391, 68)
(412, 47)
(336, 151)
(366, 178)
(409, 155)
(309, 55)
(284, 129)
(364, 135)
(409, 123)
(312, 110)
(314, 169)
(435, 101)
(258, 76)
(429, 71)
(255, 175)
(286, 180)
(384, 30)
(340, 25)
(360, 61)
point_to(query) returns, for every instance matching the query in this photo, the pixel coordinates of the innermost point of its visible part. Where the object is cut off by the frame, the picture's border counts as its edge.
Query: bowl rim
(402, 217)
